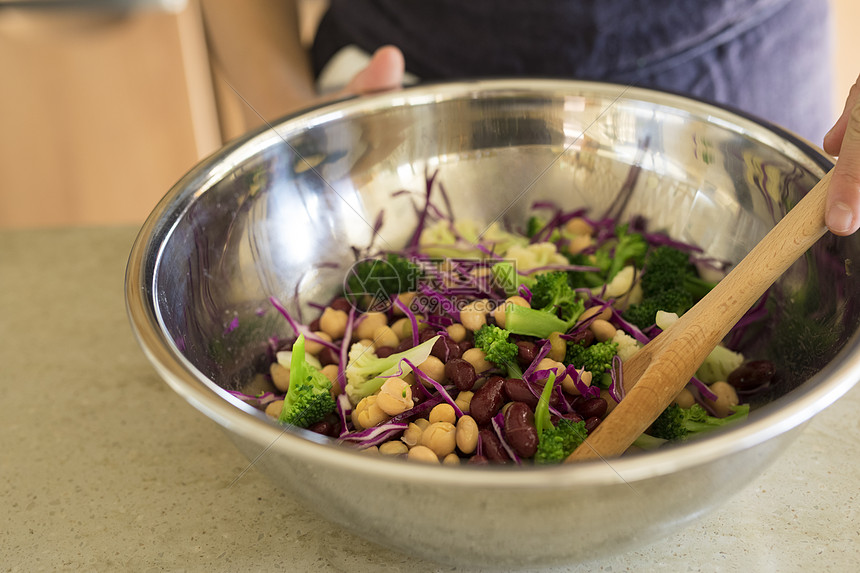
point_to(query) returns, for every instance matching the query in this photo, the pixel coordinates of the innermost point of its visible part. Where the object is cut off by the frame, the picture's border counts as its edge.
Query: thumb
(384, 72)
(842, 213)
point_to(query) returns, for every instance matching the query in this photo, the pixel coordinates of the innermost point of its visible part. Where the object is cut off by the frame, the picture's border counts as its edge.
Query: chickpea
(558, 347)
(440, 437)
(422, 454)
(685, 398)
(464, 400)
(280, 376)
(442, 413)
(385, 336)
(400, 326)
(330, 371)
(457, 332)
(333, 322)
(395, 397)
(726, 398)
(477, 358)
(434, 368)
(367, 413)
(273, 409)
(598, 311)
(412, 435)
(393, 448)
(467, 434)
(451, 460)
(578, 244)
(406, 298)
(370, 321)
(313, 347)
(499, 313)
(579, 226)
(602, 330)
(474, 315)
(371, 451)
(561, 377)
(422, 423)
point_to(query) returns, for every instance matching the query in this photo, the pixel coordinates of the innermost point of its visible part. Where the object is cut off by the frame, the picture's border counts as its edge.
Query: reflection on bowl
(276, 214)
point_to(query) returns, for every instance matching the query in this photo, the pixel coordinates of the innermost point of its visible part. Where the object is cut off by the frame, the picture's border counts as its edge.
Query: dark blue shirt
(766, 57)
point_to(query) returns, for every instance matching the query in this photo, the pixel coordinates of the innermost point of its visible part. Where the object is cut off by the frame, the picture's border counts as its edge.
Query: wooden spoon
(661, 369)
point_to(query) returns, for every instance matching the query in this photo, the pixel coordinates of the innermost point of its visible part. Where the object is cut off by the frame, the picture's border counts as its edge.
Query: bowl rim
(782, 415)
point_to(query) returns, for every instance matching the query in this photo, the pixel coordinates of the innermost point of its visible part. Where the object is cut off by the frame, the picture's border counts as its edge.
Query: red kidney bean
(572, 416)
(404, 345)
(426, 334)
(591, 424)
(592, 408)
(340, 303)
(314, 326)
(517, 390)
(440, 349)
(465, 345)
(576, 402)
(478, 460)
(488, 400)
(461, 373)
(752, 374)
(384, 351)
(492, 446)
(453, 349)
(446, 349)
(328, 356)
(325, 427)
(584, 337)
(526, 352)
(520, 431)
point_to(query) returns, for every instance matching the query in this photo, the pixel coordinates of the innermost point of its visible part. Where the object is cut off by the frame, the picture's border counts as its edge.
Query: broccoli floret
(669, 283)
(372, 282)
(630, 249)
(555, 443)
(554, 308)
(677, 423)
(498, 349)
(308, 398)
(366, 372)
(596, 358)
(534, 226)
(644, 314)
(552, 293)
(612, 256)
(533, 322)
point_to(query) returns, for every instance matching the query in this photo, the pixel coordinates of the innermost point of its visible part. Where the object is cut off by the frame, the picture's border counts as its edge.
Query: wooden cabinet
(100, 113)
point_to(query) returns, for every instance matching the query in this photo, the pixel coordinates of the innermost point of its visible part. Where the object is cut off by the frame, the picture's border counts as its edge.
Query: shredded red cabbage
(439, 388)
(376, 435)
(498, 423)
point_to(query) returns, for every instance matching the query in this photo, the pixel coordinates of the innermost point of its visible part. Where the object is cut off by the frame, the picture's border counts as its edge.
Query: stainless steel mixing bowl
(267, 215)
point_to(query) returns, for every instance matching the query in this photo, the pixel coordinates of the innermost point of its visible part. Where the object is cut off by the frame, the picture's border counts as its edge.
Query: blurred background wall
(101, 112)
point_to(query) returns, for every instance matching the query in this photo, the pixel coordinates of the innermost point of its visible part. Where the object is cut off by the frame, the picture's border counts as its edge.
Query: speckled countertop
(104, 468)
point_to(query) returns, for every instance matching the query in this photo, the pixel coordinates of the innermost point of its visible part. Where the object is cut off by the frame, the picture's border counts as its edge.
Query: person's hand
(843, 198)
(384, 72)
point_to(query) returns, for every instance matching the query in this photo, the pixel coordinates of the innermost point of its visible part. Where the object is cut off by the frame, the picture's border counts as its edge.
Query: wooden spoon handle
(666, 364)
